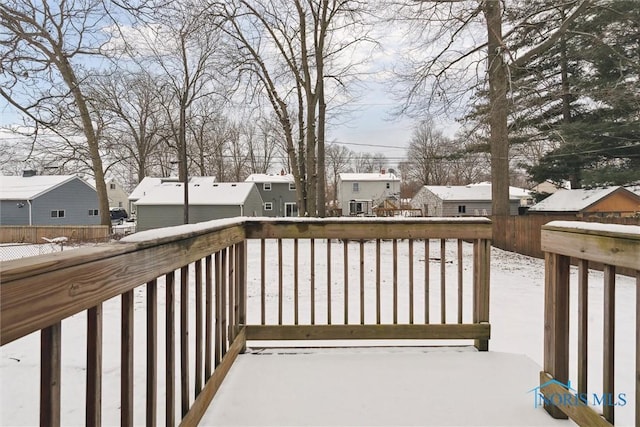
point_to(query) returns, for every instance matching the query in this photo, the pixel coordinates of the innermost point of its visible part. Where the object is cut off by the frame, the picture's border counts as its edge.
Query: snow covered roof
(477, 192)
(149, 182)
(223, 193)
(264, 177)
(368, 177)
(573, 200)
(28, 188)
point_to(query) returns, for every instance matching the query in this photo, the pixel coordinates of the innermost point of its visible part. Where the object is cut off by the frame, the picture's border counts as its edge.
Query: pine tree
(600, 142)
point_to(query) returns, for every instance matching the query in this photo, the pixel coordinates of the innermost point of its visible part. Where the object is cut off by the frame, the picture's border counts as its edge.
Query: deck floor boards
(379, 387)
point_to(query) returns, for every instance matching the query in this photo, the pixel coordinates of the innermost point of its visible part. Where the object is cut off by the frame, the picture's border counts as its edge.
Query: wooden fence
(524, 231)
(36, 233)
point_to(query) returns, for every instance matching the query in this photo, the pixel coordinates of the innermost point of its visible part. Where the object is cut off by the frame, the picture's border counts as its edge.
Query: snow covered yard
(517, 287)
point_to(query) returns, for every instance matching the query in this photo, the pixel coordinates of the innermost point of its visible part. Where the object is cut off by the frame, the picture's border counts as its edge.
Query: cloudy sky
(370, 126)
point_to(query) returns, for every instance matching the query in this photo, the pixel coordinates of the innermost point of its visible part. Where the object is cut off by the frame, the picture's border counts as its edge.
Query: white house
(359, 193)
(118, 197)
(463, 200)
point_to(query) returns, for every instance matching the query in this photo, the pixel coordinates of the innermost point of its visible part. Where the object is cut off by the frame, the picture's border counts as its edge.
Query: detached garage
(163, 206)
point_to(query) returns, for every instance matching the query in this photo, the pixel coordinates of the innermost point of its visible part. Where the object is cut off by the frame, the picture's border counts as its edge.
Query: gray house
(33, 199)
(462, 200)
(278, 193)
(148, 183)
(163, 205)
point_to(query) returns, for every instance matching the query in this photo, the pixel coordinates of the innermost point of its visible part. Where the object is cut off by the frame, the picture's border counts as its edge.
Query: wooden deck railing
(614, 246)
(209, 265)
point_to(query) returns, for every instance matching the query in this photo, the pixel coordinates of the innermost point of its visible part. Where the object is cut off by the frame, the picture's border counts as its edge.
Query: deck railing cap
(617, 230)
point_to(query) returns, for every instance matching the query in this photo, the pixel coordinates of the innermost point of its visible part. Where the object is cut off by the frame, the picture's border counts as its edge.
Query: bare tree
(184, 45)
(286, 49)
(262, 141)
(428, 156)
(132, 100)
(364, 162)
(42, 51)
(453, 63)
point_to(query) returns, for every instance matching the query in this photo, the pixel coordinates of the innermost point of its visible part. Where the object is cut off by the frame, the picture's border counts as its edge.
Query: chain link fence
(9, 251)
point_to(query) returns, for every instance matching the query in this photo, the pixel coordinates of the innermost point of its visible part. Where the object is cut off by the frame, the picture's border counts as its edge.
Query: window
(292, 186)
(462, 209)
(266, 186)
(112, 186)
(388, 185)
(57, 213)
(355, 187)
(93, 212)
(268, 206)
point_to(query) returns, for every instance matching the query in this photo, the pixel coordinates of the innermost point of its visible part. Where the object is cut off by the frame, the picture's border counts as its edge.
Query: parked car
(118, 215)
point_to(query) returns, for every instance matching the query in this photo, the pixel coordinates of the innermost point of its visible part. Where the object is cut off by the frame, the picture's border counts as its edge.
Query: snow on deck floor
(379, 387)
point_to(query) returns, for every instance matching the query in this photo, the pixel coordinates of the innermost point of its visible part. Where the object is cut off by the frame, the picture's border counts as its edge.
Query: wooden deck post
(94, 366)
(556, 323)
(481, 278)
(242, 286)
(50, 356)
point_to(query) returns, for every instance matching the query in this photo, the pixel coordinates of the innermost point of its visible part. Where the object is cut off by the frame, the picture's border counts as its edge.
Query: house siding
(617, 202)
(253, 205)
(118, 198)
(158, 216)
(75, 197)
(375, 191)
(12, 214)
(279, 195)
(432, 205)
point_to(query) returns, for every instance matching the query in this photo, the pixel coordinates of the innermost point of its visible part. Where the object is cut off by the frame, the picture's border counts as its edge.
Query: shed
(163, 206)
(462, 200)
(611, 201)
(33, 199)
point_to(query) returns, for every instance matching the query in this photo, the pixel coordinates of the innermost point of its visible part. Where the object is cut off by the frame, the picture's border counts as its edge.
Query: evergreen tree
(600, 140)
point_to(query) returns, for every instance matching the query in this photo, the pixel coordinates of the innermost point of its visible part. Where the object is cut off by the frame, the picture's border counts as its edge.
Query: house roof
(223, 193)
(472, 192)
(369, 177)
(149, 182)
(28, 188)
(574, 200)
(264, 177)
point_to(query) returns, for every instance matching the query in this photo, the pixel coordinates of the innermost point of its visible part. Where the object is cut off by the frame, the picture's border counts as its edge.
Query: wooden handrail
(614, 246)
(38, 293)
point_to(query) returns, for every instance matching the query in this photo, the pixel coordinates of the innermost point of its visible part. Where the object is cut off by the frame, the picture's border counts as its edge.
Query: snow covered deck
(186, 300)
(426, 386)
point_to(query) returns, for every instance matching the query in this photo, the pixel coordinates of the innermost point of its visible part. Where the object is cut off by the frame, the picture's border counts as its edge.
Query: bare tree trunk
(321, 179)
(92, 141)
(498, 114)
(183, 165)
